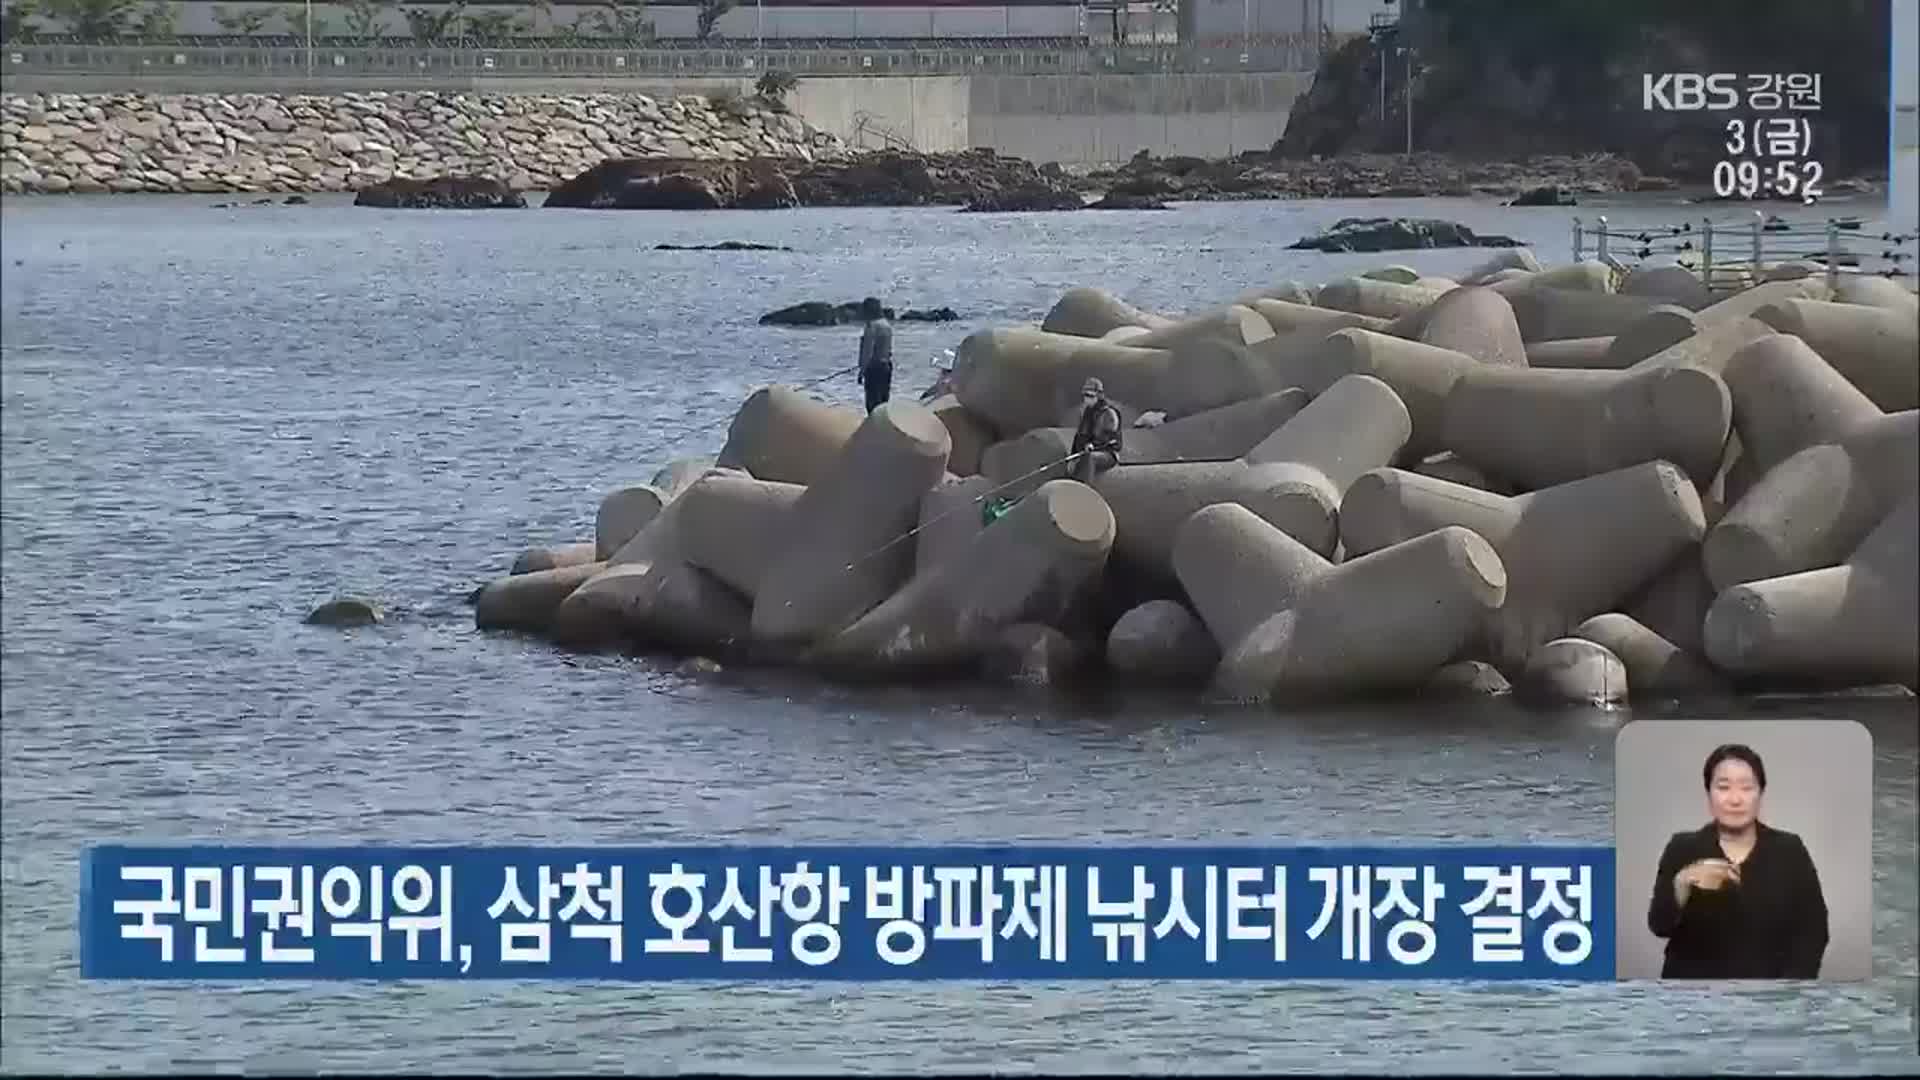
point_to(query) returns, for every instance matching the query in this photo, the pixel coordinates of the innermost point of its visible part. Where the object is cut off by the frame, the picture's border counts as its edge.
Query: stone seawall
(299, 143)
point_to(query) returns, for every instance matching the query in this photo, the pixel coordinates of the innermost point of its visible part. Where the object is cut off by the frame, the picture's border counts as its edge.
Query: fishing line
(963, 506)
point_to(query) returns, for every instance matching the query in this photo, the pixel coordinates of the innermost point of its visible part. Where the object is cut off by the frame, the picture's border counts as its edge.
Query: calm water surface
(215, 418)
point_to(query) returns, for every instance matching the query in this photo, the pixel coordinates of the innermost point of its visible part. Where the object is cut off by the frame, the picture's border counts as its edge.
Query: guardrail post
(1577, 237)
(1833, 252)
(1600, 245)
(1706, 253)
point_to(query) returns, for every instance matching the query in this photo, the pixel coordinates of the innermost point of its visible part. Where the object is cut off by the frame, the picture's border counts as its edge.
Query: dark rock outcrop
(441, 193)
(883, 178)
(1262, 175)
(1021, 200)
(821, 313)
(1119, 200)
(724, 245)
(1397, 234)
(1545, 195)
(676, 184)
(346, 611)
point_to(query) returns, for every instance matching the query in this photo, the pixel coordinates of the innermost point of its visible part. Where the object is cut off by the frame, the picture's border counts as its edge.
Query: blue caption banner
(848, 913)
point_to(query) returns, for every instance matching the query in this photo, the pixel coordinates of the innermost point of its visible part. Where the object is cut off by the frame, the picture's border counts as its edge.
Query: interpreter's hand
(1711, 875)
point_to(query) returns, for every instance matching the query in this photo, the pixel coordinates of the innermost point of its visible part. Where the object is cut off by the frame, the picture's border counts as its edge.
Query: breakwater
(329, 143)
(1573, 483)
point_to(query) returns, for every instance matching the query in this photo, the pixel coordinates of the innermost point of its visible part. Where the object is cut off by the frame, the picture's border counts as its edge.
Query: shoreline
(1680, 196)
(689, 152)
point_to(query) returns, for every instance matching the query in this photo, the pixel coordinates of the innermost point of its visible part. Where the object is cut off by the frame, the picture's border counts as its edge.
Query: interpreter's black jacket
(1772, 925)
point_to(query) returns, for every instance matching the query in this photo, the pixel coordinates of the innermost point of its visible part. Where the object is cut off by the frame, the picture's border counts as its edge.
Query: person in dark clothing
(1737, 899)
(1097, 440)
(875, 370)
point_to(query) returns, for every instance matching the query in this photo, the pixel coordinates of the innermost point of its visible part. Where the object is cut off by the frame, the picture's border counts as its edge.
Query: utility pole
(1407, 100)
(1383, 86)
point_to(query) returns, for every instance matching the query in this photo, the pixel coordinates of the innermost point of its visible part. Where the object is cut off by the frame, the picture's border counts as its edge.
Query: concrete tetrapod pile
(1569, 483)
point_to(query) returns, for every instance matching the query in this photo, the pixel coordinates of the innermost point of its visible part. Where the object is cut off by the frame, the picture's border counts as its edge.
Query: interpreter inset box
(1744, 850)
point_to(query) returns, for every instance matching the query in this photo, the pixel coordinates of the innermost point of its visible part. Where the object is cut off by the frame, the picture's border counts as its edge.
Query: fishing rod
(810, 384)
(965, 505)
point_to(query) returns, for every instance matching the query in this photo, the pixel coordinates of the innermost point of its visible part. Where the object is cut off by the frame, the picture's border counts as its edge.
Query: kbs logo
(1689, 92)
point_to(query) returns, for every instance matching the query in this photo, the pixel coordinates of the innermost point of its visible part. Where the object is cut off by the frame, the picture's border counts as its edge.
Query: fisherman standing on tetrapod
(1096, 442)
(875, 370)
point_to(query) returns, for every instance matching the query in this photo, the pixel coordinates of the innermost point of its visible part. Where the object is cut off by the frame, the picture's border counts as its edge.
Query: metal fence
(1731, 255)
(423, 62)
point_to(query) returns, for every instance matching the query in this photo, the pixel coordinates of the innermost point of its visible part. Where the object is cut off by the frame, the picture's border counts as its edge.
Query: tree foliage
(430, 24)
(95, 20)
(1586, 34)
(365, 18)
(624, 21)
(294, 16)
(710, 12)
(159, 19)
(1585, 59)
(774, 86)
(241, 22)
(493, 27)
(17, 19)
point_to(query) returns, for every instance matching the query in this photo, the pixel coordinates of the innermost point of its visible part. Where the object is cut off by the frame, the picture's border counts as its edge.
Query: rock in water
(1022, 200)
(813, 313)
(441, 193)
(879, 178)
(823, 313)
(676, 184)
(1548, 195)
(1120, 200)
(1397, 234)
(724, 245)
(345, 611)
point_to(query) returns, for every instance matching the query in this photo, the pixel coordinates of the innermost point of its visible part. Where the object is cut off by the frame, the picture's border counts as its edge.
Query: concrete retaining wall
(1073, 119)
(1093, 119)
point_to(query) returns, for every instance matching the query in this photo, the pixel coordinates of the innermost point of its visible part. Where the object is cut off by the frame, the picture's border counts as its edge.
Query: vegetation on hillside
(1505, 78)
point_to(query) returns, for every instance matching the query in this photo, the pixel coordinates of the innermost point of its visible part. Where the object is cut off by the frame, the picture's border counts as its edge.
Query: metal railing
(867, 129)
(1731, 255)
(425, 62)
